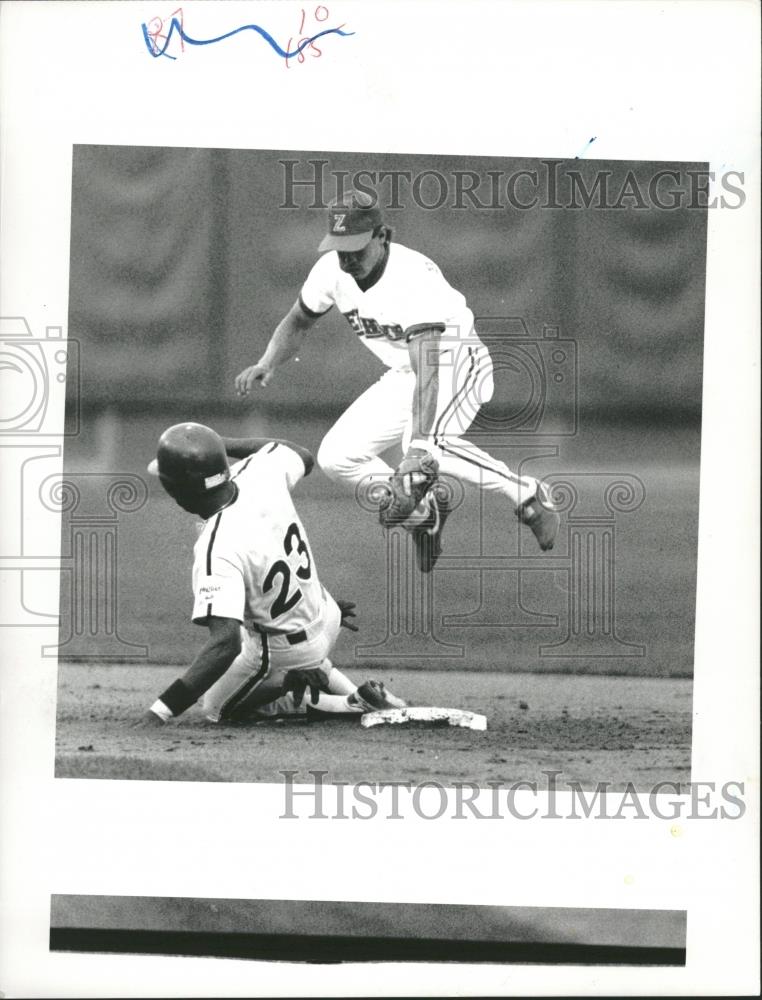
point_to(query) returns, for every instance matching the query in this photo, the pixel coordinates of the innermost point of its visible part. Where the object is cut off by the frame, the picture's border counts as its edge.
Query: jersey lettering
(282, 602)
(369, 327)
(292, 535)
(280, 570)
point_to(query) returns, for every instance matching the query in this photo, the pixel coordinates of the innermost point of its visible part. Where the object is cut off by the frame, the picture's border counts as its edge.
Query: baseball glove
(298, 679)
(414, 476)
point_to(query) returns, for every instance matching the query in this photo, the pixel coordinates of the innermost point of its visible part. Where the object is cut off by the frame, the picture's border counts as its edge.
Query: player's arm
(216, 655)
(239, 448)
(285, 342)
(417, 471)
(423, 343)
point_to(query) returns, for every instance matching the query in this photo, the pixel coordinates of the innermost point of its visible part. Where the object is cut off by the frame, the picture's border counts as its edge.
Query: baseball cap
(351, 221)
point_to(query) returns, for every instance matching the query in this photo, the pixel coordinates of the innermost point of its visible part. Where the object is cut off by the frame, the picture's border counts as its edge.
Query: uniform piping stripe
(243, 692)
(242, 469)
(210, 546)
(510, 476)
(456, 399)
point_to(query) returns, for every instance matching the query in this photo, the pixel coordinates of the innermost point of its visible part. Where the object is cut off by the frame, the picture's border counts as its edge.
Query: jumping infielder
(439, 374)
(272, 624)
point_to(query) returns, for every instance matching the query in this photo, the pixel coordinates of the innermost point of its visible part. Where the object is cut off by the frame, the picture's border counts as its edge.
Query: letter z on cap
(351, 223)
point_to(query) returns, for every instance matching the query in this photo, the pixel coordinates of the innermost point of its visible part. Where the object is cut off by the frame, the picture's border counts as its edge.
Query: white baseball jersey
(411, 291)
(252, 560)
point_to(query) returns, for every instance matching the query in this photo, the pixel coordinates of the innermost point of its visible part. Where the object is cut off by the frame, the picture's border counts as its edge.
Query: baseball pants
(252, 685)
(382, 416)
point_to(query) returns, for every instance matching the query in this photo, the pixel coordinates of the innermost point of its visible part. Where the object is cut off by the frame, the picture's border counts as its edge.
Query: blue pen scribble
(176, 27)
(585, 148)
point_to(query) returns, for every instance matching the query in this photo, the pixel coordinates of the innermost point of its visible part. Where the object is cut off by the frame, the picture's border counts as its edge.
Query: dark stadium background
(183, 261)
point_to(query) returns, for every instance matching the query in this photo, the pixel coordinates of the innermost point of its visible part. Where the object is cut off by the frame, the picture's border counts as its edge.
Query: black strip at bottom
(320, 949)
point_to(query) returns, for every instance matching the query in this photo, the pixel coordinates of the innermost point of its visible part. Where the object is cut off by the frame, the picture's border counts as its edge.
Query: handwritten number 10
(320, 14)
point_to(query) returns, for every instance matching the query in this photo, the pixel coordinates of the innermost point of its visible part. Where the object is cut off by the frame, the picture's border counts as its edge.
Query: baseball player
(439, 373)
(271, 622)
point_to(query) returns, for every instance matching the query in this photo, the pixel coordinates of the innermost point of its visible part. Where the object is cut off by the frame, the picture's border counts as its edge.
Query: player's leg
(339, 683)
(465, 384)
(255, 678)
(253, 685)
(370, 696)
(343, 698)
(285, 704)
(268, 699)
(350, 451)
(251, 670)
(263, 695)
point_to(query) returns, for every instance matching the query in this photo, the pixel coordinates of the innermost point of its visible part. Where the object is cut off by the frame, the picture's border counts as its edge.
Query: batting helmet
(190, 458)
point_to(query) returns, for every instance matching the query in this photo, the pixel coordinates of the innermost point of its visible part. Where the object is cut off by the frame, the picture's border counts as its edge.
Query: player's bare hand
(246, 380)
(347, 609)
(298, 679)
(148, 720)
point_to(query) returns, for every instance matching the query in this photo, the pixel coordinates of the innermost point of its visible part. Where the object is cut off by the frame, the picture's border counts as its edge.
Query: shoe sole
(538, 522)
(548, 541)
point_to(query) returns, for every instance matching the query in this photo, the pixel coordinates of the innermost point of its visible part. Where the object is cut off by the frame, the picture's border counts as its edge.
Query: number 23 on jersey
(279, 575)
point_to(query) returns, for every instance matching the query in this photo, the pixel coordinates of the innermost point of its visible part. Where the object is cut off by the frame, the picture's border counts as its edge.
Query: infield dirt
(592, 729)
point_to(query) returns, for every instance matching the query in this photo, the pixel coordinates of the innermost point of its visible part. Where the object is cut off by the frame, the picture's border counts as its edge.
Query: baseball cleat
(539, 514)
(372, 696)
(428, 535)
